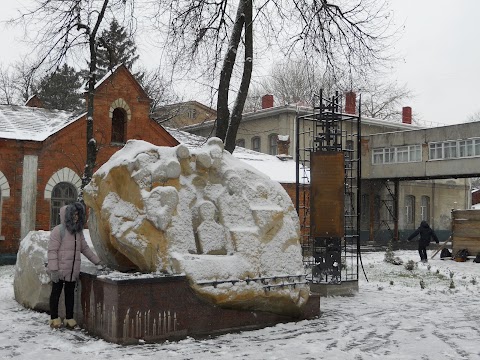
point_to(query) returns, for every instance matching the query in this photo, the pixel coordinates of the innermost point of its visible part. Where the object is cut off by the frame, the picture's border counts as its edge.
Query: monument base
(154, 309)
(345, 288)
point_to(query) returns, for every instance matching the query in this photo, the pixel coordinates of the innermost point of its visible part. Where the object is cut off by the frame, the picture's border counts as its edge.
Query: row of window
(397, 154)
(452, 149)
(256, 143)
(387, 206)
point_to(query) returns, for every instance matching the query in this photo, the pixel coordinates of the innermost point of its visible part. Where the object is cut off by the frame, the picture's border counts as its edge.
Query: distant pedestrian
(426, 235)
(65, 247)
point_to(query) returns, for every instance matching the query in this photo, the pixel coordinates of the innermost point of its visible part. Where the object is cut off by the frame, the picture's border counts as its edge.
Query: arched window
(409, 209)
(240, 142)
(425, 208)
(62, 194)
(256, 143)
(272, 144)
(118, 126)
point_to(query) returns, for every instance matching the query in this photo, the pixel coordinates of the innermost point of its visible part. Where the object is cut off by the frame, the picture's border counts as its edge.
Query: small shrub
(389, 255)
(452, 284)
(410, 265)
(429, 267)
(391, 282)
(474, 281)
(438, 271)
(451, 274)
(422, 284)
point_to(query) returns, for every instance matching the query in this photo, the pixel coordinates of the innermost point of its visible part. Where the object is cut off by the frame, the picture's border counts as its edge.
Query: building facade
(43, 153)
(268, 130)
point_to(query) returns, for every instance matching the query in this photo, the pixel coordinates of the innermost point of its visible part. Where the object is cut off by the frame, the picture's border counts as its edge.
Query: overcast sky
(439, 52)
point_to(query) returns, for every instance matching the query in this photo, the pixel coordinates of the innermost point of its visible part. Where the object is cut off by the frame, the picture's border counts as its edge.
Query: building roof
(186, 104)
(282, 170)
(302, 110)
(31, 123)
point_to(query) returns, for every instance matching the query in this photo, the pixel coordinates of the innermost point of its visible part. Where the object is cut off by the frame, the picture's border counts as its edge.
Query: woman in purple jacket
(65, 247)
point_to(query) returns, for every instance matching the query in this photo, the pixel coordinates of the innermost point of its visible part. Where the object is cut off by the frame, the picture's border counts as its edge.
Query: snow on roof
(31, 123)
(283, 171)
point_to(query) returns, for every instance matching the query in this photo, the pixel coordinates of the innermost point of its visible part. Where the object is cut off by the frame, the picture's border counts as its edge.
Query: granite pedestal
(157, 308)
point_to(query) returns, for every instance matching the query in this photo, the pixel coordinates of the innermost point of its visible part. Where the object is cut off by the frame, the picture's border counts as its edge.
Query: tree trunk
(237, 111)
(223, 113)
(92, 80)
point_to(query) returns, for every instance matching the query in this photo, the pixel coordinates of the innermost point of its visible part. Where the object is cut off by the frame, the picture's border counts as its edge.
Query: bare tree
(158, 87)
(67, 26)
(349, 36)
(294, 82)
(474, 117)
(7, 86)
(16, 82)
(385, 101)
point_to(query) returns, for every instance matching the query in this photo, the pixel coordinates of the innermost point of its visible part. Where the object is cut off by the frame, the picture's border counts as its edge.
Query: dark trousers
(422, 250)
(69, 298)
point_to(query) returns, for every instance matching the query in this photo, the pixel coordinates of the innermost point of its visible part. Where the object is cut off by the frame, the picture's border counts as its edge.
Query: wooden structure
(466, 231)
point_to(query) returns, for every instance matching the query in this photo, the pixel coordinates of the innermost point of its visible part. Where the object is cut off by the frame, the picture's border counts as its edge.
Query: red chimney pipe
(267, 101)
(407, 115)
(350, 102)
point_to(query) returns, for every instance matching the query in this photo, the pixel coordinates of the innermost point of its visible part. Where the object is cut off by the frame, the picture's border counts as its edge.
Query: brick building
(43, 152)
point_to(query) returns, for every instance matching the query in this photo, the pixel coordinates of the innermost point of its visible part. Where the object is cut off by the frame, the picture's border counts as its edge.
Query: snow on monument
(204, 214)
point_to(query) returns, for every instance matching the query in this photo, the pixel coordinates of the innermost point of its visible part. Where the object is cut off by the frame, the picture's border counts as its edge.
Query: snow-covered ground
(391, 317)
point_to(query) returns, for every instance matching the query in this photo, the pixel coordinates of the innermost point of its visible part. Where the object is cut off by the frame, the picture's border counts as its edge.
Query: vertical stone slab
(29, 194)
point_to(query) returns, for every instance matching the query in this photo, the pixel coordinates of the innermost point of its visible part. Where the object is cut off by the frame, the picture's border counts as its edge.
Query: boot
(55, 323)
(70, 323)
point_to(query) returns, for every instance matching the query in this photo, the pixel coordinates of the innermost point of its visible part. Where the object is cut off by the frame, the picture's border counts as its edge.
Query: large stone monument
(199, 243)
(202, 214)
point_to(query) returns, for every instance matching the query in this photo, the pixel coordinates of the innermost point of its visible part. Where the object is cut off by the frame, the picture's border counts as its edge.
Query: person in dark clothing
(426, 235)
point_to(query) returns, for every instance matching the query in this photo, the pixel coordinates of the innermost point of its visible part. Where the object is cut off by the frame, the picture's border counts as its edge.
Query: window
(409, 209)
(465, 148)
(425, 208)
(402, 154)
(272, 144)
(62, 194)
(256, 143)
(414, 153)
(436, 151)
(477, 147)
(192, 113)
(240, 142)
(450, 149)
(389, 155)
(118, 126)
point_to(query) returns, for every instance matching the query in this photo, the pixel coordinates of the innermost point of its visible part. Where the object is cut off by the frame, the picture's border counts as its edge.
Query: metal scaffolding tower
(328, 190)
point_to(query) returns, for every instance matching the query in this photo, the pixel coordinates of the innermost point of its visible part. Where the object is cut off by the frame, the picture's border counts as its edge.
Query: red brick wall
(11, 165)
(67, 148)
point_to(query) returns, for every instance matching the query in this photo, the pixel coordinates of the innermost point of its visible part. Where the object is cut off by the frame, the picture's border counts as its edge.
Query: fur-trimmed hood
(67, 218)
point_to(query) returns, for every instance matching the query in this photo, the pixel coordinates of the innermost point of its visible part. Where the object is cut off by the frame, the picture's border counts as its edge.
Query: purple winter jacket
(64, 254)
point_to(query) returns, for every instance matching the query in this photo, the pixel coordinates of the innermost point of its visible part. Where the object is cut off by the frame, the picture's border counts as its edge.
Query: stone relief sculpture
(230, 229)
